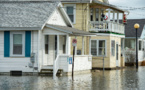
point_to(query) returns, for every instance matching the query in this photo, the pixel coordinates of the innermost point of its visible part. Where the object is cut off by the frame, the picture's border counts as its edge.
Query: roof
(69, 30)
(73, 1)
(129, 28)
(104, 3)
(108, 5)
(79, 1)
(24, 14)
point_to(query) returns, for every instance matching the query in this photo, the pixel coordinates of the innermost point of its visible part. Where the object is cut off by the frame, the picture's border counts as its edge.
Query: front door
(117, 61)
(49, 49)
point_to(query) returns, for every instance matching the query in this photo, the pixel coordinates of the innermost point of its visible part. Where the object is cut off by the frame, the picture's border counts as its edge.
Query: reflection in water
(125, 79)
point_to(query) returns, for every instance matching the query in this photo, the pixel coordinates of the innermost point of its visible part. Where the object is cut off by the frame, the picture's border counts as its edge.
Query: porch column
(113, 16)
(57, 45)
(99, 14)
(89, 45)
(76, 46)
(94, 14)
(83, 45)
(122, 18)
(67, 45)
(109, 24)
(117, 17)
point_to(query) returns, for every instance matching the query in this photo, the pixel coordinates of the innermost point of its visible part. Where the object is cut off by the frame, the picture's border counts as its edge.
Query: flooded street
(125, 79)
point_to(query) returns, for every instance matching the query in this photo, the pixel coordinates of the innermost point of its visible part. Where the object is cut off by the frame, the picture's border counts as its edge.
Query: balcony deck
(106, 26)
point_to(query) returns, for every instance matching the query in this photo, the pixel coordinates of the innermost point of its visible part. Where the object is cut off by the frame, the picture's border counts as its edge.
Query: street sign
(74, 42)
(70, 60)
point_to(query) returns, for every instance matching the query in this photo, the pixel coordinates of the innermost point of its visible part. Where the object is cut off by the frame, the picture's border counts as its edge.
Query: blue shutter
(27, 43)
(6, 43)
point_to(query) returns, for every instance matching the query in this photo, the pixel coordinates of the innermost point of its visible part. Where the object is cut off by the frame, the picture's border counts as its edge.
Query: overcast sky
(134, 14)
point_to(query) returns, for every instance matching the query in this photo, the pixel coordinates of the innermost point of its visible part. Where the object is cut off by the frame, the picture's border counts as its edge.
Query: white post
(99, 15)
(38, 46)
(94, 14)
(89, 45)
(83, 45)
(57, 45)
(117, 17)
(76, 47)
(109, 11)
(68, 45)
(109, 24)
(113, 16)
(118, 30)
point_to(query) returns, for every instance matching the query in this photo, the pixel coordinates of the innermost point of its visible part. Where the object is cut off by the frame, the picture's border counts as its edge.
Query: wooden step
(49, 72)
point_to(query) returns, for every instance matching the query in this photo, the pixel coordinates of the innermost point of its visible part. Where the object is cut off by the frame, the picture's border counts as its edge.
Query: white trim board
(104, 34)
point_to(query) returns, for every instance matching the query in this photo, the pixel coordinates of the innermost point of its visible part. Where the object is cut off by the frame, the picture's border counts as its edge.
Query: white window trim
(98, 47)
(11, 44)
(73, 5)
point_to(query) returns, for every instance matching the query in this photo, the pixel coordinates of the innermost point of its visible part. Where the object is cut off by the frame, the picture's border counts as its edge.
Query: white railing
(104, 26)
(56, 66)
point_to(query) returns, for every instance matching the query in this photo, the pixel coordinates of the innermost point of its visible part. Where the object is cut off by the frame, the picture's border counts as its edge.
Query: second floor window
(70, 10)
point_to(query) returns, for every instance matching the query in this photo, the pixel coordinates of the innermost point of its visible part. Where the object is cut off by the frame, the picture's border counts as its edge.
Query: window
(130, 43)
(17, 43)
(97, 14)
(101, 47)
(70, 10)
(98, 47)
(91, 14)
(140, 45)
(46, 44)
(94, 47)
(113, 48)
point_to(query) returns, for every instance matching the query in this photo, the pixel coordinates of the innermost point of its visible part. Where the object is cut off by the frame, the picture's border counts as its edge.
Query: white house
(36, 36)
(130, 40)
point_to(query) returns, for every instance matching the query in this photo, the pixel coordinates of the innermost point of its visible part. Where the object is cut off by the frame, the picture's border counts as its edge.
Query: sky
(128, 4)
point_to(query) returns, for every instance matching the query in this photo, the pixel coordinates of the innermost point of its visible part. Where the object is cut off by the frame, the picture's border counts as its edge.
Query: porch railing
(104, 26)
(56, 66)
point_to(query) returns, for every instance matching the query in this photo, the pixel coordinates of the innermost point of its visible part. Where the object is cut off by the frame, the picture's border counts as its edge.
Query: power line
(131, 8)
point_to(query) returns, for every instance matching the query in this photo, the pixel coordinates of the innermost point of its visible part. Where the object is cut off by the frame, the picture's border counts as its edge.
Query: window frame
(11, 44)
(97, 40)
(74, 11)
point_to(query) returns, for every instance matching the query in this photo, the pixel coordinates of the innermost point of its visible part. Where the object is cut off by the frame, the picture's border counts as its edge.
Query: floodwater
(124, 79)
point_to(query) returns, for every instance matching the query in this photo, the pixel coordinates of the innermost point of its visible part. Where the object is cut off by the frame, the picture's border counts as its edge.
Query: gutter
(19, 28)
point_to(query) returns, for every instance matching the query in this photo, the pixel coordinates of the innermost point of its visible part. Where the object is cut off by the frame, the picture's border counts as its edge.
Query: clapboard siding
(63, 63)
(55, 18)
(8, 64)
(1, 44)
(80, 63)
(140, 56)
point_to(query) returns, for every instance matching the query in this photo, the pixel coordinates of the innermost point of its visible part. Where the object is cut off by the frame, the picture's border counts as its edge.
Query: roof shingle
(25, 14)
(129, 28)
